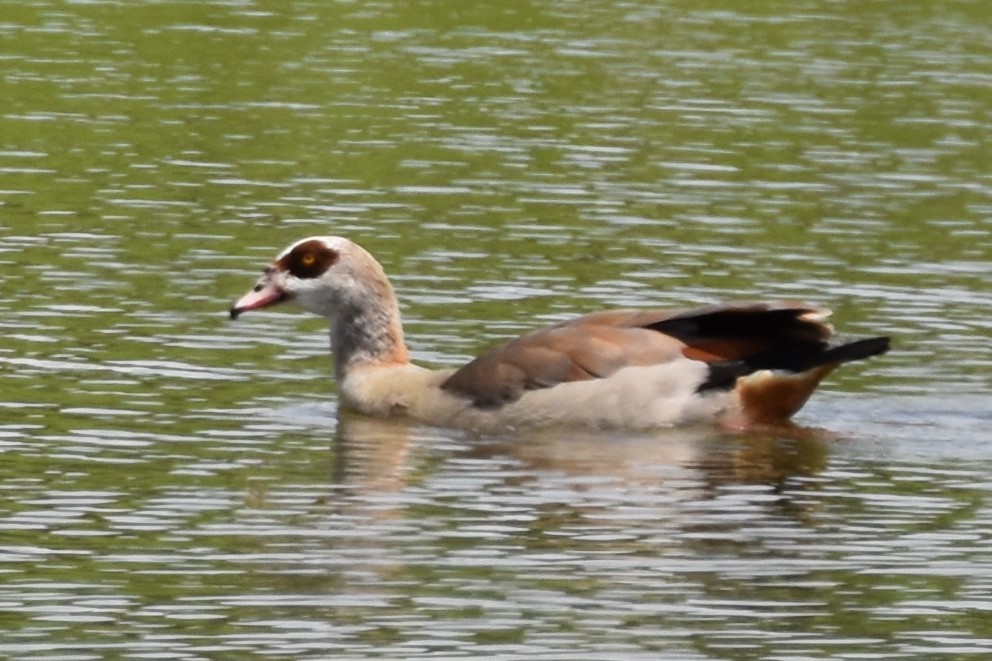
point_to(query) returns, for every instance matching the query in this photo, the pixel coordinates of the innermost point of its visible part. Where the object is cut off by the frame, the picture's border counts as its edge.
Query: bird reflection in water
(389, 455)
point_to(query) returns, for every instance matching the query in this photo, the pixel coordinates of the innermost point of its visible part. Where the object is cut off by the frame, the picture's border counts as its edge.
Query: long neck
(367, 331)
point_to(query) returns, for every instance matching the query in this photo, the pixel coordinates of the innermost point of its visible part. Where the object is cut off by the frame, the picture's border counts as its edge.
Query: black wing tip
(723, 375)
(859, 349)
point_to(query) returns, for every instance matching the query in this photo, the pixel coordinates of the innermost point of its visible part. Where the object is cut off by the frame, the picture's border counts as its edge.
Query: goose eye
(310, 259)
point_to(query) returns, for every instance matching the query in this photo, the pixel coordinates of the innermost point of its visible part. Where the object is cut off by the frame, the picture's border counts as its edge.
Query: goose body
(737, 364)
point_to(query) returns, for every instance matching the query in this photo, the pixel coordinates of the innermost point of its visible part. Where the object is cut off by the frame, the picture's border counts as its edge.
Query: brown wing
(597, 345)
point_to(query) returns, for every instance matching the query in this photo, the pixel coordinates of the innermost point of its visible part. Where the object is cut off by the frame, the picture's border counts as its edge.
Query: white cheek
(303, 290)
(311, 295)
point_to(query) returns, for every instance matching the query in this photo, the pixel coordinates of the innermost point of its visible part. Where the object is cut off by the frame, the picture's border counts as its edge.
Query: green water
(173, 485)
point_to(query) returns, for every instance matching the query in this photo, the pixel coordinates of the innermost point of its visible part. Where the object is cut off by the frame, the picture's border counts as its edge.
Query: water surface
(177, 486)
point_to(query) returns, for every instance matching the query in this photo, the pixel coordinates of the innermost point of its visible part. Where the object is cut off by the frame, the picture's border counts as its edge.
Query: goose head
(327, 276)
(339, 280)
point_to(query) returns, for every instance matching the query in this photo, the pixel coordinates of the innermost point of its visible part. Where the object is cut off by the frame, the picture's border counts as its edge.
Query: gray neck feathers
(365, 329)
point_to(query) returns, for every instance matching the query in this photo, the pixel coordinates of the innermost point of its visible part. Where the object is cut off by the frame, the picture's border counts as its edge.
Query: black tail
(797, 358)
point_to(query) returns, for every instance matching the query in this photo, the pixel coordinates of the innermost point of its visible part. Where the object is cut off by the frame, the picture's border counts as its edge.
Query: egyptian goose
(735, 364)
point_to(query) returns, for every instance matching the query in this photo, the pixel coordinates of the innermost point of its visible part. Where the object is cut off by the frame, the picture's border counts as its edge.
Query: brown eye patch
(310, 259)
